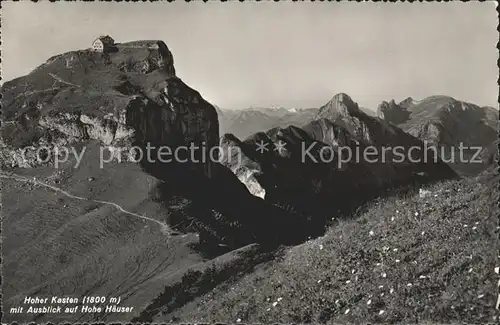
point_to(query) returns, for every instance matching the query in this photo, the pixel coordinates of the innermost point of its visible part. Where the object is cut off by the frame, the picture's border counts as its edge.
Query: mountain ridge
(283, 176)
(445, 122)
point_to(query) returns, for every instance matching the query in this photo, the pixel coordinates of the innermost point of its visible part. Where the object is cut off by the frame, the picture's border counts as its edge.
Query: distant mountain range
(245, 122)
(283, 177)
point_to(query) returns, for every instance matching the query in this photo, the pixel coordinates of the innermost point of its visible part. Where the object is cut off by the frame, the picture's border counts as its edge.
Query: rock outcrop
(244, 123)
(127, 97)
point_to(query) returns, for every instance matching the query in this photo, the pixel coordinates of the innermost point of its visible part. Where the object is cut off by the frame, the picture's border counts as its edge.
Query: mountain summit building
(103, 43)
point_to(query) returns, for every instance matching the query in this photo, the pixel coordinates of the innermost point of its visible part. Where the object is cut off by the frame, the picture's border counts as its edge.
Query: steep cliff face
(445, 123)
(128, 96)
(244, 123)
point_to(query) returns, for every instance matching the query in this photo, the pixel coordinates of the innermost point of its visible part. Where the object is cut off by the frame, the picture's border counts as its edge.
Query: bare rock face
(241, 165)
(446, 123)
(127, 96)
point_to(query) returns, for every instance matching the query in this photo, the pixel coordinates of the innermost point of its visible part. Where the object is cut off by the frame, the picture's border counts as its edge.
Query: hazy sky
(290, 54)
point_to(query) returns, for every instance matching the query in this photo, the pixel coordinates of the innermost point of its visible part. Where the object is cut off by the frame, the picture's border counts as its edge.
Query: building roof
(106, 39)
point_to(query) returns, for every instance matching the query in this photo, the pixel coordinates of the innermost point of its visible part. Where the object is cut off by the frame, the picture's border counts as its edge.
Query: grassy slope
(387, 265)
(55, 245)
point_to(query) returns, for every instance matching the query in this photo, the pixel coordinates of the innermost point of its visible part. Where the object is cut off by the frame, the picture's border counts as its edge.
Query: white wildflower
(238, 320)
(279, 299)
(369, 302)
(275, 303)
(347, 311)
(497, 270)
(381, 312)
(371, 233)
(423, 193)
(384, 275)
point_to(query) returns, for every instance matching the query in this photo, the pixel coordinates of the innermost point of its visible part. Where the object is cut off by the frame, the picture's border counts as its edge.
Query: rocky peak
(393, 112)
(341, 105)
(344, 112)
(234, 156)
